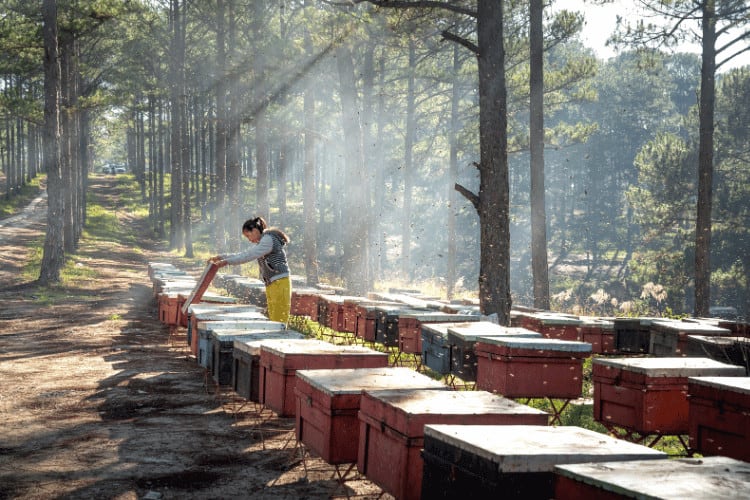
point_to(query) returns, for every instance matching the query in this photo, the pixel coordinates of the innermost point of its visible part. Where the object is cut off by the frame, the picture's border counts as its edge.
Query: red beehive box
(168, 308)
(245, 364)
(552, 325)
(719, 416)
(513, 462)
(683, 479)
(528, 367)
(367, 318)
(305, 303)
(649, 395)
(600, 333)
(410, 327)
(669, 337)
(328, 402)
(280, 360)
(334, 308)
(392, 430)
(349, 321)
(463, 337)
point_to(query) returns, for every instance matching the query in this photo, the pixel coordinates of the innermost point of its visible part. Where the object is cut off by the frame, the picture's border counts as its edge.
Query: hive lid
(672, 367)
(472, 331)
(531, 448)
(440, 328)
(252, 345)
(227, 315)
(204, 308)
(689, 327)
(285, 347)
(678, 479)
(437, 316)
(734, 384)
(537, 343)
(259, 324)
(355, 380)
(548, 318)
(230, 335)
(426, 402)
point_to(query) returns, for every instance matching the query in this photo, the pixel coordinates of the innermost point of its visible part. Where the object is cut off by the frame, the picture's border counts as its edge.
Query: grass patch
(15, 203)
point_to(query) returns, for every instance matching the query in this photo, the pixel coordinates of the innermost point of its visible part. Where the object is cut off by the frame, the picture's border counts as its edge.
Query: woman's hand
(218, 261)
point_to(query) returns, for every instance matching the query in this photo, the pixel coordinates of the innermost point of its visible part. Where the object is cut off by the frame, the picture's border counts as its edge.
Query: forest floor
(97, 400)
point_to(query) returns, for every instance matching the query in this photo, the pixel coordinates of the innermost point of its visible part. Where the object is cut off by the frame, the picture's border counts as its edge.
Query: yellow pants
(279, 299)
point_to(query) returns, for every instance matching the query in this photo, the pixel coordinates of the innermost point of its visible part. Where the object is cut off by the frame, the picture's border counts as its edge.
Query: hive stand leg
(396, 358)
(414, 361)
(557, 411)
(342, 478)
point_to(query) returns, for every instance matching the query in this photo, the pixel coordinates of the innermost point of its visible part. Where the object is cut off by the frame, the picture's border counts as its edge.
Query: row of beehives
(398, 425)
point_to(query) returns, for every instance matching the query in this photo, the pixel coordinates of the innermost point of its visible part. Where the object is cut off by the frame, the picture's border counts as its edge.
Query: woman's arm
(264, 247)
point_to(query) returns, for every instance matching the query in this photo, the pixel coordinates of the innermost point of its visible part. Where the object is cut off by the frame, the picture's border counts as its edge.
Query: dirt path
(98, 402)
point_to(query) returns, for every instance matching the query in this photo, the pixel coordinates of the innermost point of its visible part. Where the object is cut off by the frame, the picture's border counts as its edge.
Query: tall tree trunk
(53, 255)
(370, 155)
(451, 274)
(494, 200)
(234, 172)
(539, 267)
(309, 188)
(408, 166)
(66, 140)
(162, 151)
(379, 201)
(176, 94)
(260, 119)
(220, 190)
(355, 185)
(705, 162)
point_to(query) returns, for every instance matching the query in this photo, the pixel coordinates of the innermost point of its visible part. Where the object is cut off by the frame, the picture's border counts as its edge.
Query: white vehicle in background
(113, 168)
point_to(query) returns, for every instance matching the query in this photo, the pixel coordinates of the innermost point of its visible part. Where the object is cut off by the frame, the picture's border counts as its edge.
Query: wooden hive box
(553, 325)
(410, 327)
(328, 402)
(222, 346)
(196, 310)
(386, 324)
(436, 350)
(633, 335)
(600, 333)
(169, 305)
(683, 479)
(462, 339)
(200, 325)
(515, 462)
(305, 303)
(206, 330)
(367, 318)
(719, 416)
(531, 367)
(280, 360)
(246, 364)
(649, 395)
(392, 430)
(350, 311)
(669, 337)
(732, 350)
(183, 316)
